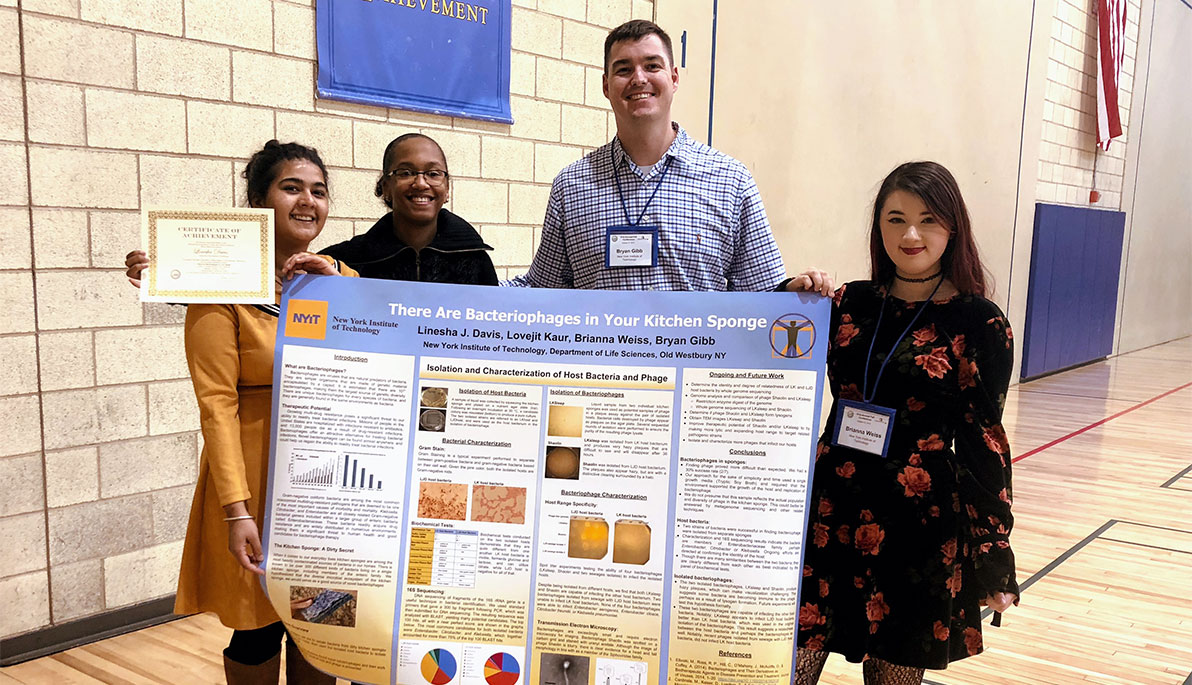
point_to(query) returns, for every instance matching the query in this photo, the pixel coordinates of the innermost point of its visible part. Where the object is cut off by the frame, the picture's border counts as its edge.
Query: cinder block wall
(1069, 149)
(107, 106)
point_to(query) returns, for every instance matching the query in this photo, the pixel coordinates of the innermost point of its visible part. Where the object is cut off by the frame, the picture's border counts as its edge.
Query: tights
(879, 672)
(809, 663)
(253, 647)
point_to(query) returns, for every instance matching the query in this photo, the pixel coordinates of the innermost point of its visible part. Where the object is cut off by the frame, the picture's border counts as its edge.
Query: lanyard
(865, 394)
(625, 205)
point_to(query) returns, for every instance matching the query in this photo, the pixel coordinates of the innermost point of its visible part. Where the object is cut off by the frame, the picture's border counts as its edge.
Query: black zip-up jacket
(456, 255)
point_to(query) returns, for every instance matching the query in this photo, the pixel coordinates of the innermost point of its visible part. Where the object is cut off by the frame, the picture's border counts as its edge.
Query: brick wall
(134, 103)
(1069, 149)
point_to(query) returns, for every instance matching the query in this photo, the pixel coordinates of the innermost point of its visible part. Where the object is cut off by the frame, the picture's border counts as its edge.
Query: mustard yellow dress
(229, 349)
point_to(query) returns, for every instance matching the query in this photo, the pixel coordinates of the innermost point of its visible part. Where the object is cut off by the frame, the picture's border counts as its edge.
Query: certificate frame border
(247, 215)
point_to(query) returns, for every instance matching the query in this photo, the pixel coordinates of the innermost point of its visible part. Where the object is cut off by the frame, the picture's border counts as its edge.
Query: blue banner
(438, 56)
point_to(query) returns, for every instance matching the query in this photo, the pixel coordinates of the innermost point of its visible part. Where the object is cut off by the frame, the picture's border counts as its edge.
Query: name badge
(631, 246)
(863, 426)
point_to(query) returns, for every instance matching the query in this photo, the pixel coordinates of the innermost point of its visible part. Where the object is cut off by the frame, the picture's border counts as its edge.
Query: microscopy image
(562, 462)
(588, 537)
(565, 422)
(443, 501)
(432, 420)
(563, 669)
(631, 542)
(433, 397)
(621, 672)
(498, 504)
(322, 605)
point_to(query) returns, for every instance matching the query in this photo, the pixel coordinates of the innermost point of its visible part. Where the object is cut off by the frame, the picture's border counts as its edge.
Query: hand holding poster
(475, 486)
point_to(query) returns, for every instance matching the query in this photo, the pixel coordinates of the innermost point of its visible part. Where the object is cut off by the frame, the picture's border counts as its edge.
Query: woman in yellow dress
(229, 349)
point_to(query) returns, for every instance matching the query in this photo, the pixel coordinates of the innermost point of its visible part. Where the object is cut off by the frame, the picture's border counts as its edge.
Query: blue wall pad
(1072, 297)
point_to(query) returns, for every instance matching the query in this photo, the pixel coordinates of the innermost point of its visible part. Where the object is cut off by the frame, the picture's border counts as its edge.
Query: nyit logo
(307, 319)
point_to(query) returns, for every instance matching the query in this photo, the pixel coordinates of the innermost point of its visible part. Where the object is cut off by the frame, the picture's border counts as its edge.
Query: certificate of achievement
(208, 255)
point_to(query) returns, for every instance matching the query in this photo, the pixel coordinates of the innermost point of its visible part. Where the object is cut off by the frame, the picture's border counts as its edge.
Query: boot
(245, 674)
(300, 672)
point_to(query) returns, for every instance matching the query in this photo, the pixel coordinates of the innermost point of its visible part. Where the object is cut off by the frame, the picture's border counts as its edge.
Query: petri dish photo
(562, 462)
(432, 420)
(434, 397)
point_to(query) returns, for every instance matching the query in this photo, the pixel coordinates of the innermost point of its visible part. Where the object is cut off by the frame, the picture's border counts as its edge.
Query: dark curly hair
(388, 157)
(262, 168)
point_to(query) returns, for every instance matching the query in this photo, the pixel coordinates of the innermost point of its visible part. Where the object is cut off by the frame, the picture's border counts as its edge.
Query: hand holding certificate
(208, 255)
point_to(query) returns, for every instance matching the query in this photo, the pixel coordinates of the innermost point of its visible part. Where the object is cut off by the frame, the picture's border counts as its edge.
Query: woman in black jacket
(418, 240)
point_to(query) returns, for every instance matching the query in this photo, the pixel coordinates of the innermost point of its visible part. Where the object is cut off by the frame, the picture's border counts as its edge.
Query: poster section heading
(663, 326)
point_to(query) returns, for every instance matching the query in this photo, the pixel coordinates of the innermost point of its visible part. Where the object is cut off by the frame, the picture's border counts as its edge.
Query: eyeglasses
(434, 177)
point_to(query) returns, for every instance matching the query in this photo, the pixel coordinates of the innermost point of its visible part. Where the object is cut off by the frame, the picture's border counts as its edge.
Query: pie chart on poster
(438, 667)
(501, 669)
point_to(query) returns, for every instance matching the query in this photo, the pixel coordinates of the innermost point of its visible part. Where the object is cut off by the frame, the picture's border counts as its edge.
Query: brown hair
(634, 30)
(937, 188)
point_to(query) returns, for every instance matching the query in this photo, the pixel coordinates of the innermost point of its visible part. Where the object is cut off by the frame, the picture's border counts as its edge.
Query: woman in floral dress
(905, 548)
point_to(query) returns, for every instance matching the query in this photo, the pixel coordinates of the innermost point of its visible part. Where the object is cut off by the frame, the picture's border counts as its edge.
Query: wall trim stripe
(61, 637)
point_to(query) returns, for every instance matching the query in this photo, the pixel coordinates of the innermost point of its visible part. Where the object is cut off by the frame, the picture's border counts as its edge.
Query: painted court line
(1176, 478)
(1155, 527)
(1142, 544)
(1093, 425)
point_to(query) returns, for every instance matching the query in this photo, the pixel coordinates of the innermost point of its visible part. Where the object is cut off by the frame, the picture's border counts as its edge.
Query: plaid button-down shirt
(712, 228)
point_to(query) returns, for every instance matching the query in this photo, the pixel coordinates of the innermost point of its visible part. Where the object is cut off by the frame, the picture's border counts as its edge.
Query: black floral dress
(902, 550)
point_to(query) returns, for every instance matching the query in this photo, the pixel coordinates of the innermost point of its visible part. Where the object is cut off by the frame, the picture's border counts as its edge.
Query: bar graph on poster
(354, 476)
(312, 469)
(325, 470)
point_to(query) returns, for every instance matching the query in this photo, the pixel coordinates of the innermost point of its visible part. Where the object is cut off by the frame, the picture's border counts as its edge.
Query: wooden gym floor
(1103, 538)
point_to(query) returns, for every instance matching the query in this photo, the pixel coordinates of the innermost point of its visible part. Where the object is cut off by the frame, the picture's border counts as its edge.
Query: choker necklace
(932, 277)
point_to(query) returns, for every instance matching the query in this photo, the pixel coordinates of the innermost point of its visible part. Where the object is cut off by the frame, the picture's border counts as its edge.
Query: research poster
(497, 486)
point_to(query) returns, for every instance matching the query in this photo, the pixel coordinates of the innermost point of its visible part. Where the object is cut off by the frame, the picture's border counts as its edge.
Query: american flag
(1111, 48)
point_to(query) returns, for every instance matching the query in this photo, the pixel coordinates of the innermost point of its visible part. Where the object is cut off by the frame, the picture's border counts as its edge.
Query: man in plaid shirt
(655, 209)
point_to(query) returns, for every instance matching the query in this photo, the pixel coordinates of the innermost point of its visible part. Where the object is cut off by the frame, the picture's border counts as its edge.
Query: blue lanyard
(625, 205)
(865, 395)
